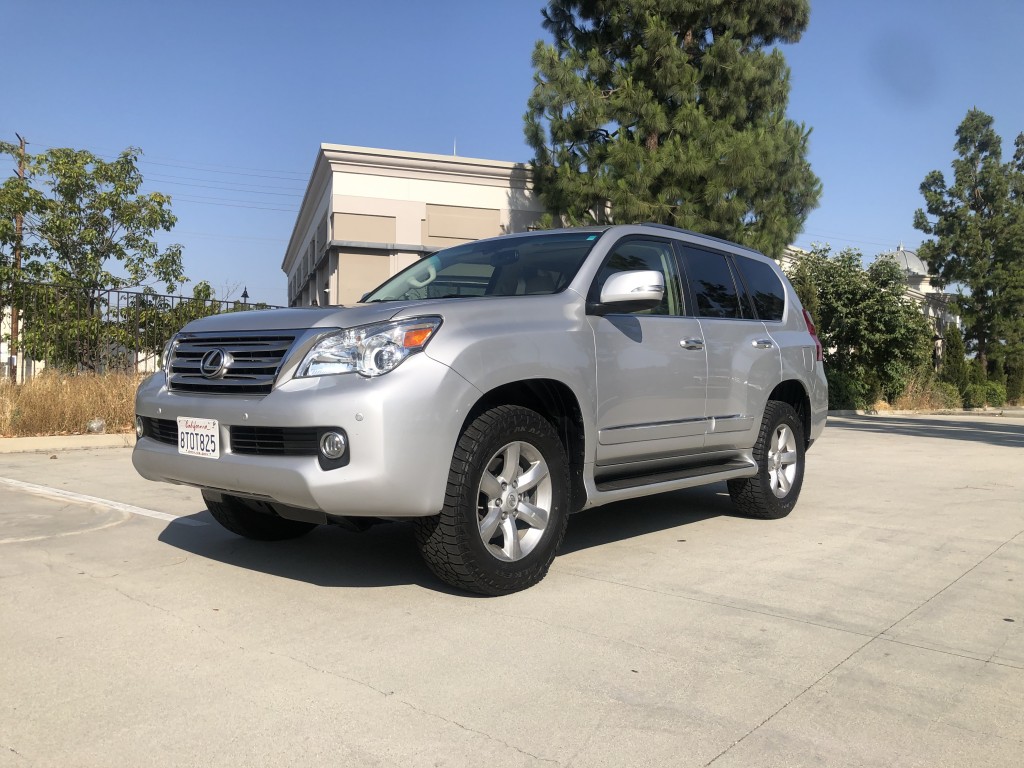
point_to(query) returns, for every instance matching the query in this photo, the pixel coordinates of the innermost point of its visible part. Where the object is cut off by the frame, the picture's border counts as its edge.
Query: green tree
(802, 278)
(88, 230)
(955, 368)
(977, 224)
(672, 111)
(874, 337)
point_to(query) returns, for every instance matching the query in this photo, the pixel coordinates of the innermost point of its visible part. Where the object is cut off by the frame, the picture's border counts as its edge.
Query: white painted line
(81, 498)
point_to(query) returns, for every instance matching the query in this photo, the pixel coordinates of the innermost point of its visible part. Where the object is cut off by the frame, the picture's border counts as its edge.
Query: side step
(703, 473)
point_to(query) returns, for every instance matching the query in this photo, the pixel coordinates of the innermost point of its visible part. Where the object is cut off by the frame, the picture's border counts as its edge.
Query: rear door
(651, 364)
(744, 363)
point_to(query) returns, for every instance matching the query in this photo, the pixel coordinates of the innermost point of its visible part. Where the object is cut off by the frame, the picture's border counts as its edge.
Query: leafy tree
(873, 336)
(802, 278)
(977, 224)
(88, 230)
(672, 111)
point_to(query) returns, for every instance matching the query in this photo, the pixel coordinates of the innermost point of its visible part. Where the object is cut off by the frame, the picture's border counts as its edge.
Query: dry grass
(923, 394)
(56, 404)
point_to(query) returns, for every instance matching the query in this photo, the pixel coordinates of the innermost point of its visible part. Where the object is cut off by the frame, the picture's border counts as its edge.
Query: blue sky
(229, 101)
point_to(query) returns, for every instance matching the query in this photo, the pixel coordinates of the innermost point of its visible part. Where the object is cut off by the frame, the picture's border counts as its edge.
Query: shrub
(995, 394)
(974, 396)
(846, 392)
(991, 393)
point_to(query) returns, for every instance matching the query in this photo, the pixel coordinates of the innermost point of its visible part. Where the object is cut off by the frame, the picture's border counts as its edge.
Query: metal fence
(76, 329)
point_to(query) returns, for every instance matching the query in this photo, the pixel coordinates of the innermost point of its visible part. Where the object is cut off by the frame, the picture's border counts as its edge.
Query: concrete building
(367, 213)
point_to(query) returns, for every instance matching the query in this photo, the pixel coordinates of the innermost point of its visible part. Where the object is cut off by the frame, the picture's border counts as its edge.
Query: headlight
(165, 354)
(370, 350)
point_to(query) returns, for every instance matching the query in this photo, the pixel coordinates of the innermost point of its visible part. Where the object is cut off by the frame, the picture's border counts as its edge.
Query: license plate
(198, 437)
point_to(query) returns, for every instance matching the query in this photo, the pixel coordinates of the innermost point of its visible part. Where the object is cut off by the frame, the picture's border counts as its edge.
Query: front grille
(274, 441)
(161, 430)
(253, 362)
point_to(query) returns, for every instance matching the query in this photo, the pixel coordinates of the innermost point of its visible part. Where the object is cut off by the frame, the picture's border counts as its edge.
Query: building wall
(369, 213)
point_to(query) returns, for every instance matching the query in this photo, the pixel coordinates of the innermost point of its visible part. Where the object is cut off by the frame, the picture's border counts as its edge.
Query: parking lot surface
(881, 624)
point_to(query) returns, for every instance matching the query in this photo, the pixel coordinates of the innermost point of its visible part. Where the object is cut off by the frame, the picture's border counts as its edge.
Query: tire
(239, 518)
(505, 508)
(779, 452)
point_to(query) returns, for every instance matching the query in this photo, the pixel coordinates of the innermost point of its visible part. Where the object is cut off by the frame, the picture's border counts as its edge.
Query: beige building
(367, 213)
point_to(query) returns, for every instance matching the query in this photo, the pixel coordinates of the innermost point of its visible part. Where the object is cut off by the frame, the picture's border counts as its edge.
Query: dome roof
(908, 261)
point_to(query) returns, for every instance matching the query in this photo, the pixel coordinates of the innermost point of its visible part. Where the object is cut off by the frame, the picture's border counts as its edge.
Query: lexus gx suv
(493, 388)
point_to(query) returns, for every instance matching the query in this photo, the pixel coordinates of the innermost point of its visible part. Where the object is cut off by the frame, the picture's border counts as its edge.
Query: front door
(651, 366)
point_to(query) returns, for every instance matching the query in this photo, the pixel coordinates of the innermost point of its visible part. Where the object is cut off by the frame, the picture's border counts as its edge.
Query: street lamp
(245, 295)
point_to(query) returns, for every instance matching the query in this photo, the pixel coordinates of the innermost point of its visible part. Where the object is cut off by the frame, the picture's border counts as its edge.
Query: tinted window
(643, 255)
(712, 283)
(765, 288)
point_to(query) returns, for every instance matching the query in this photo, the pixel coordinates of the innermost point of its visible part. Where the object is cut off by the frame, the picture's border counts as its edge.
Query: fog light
(332, 445)
(138, 427)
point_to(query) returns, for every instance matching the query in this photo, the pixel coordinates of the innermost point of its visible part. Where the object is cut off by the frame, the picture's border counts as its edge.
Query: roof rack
(698, 234)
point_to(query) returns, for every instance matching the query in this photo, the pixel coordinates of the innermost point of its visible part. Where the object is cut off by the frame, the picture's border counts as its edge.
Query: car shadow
(992, 430)
(386, 554)
(649, 514)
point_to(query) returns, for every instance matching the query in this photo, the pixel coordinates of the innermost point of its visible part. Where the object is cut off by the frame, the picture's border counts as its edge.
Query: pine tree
(672, 111)
(978, 228)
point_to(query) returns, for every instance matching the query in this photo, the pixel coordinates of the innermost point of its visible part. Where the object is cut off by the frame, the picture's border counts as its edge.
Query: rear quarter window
(765, 288)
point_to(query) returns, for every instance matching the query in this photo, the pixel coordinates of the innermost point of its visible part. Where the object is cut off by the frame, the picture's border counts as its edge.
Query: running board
(672, 480)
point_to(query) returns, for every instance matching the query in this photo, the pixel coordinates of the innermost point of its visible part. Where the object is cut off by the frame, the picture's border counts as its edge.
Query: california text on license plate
(198, 437)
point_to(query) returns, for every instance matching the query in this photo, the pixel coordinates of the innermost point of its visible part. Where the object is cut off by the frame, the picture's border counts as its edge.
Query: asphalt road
(881, 624)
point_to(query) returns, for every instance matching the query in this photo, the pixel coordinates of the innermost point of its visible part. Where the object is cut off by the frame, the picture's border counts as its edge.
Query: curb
(985, 412)
(49, 444)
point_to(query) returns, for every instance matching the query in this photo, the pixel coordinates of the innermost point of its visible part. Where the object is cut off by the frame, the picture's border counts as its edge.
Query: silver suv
(493, 388)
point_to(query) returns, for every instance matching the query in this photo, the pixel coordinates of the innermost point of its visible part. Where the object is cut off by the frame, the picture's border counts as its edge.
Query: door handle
(762, 343)
(692, 344)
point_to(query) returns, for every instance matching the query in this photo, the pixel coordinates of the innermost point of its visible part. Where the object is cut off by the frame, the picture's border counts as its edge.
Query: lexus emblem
(215, 364)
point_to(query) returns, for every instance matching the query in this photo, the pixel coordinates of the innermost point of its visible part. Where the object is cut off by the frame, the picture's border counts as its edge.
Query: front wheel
(506, 505)
(779, 452)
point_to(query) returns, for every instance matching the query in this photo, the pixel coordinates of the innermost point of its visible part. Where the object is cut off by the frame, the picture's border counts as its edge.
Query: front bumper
(402, 428)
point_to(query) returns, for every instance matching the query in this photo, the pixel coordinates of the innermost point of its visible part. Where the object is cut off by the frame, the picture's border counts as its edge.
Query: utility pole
(18, 224)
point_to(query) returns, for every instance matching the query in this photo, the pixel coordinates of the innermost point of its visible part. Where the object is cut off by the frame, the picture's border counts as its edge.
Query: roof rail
(698, 234)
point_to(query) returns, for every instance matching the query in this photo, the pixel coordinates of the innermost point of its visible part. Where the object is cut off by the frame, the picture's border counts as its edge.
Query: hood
(296, 318)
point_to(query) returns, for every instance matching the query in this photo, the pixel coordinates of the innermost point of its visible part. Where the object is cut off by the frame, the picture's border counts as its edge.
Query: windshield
(527, 265)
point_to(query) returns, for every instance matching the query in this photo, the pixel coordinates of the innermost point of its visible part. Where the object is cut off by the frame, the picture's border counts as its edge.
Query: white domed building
(936, 305)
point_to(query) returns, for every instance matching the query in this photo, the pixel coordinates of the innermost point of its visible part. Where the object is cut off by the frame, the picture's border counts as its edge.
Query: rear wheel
(235, 515)
(505, 508)
(779, 452)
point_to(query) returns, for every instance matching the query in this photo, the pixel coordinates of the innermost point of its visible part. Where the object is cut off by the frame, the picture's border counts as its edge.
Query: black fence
(75, 329)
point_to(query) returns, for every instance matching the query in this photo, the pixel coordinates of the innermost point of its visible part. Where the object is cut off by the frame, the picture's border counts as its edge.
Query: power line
(214, 236)
(236, 204)
(243, 184)
(210, 167)
(158, 180)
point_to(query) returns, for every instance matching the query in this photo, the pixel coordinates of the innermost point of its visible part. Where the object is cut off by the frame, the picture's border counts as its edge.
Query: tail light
(819, 352)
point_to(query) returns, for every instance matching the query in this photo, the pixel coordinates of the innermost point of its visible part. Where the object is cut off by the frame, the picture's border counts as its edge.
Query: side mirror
(631, 291)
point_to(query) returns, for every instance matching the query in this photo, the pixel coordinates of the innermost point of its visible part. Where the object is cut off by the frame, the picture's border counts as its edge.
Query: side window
(643, 254)
(765, 288)
(712, 283)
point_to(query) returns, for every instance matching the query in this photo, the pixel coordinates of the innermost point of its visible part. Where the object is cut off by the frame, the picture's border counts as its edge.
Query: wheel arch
(555, 401)
(795, 393)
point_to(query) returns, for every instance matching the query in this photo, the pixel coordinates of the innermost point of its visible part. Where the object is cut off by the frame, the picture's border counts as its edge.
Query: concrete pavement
(881, 624)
